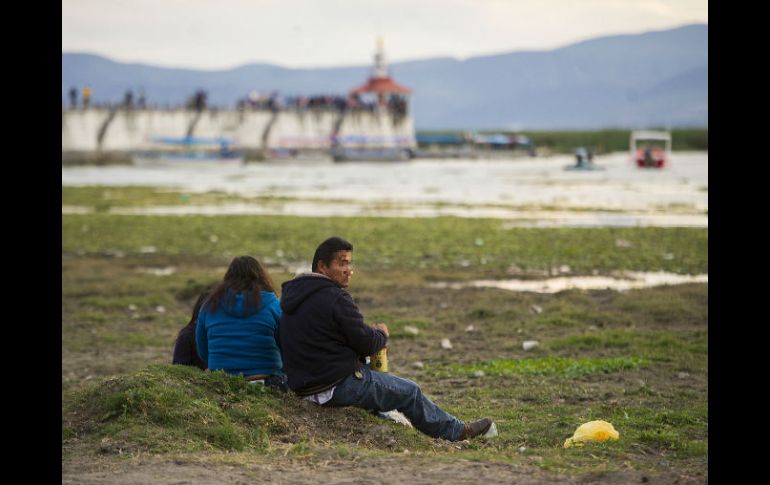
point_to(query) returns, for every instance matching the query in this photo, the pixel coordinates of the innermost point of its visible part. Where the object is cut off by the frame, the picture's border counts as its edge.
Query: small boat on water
(187, 149)
(584, 161)
(356, 154)
(472, 145)
(650, 155)
(361, 148)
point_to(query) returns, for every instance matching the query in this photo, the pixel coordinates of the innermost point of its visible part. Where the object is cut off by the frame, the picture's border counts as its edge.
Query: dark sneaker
(476, 428)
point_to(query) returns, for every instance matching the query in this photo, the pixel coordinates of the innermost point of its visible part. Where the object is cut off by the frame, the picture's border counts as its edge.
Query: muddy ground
(96, 348)
(369, 471)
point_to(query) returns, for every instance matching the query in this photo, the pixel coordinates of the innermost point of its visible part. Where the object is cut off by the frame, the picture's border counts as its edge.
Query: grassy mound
(167, 408)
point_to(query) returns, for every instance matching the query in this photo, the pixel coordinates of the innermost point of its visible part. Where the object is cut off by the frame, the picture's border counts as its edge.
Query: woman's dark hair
(244, 274)
(196, 309)
(328, 249)
(186, 350)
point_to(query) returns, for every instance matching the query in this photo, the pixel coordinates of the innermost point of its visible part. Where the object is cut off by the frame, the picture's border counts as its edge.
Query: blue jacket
(239, 338)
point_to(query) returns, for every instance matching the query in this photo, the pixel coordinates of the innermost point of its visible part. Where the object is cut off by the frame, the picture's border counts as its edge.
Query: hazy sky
(220, 34)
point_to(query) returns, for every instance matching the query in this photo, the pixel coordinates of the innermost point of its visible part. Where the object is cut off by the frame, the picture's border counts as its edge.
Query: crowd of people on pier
(395, 104)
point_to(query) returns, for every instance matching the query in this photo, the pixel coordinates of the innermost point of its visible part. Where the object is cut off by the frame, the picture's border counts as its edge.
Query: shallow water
(530, 191)
(620, 282)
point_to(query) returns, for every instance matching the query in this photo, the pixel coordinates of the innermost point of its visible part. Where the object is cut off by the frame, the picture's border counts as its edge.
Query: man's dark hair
(327, 250)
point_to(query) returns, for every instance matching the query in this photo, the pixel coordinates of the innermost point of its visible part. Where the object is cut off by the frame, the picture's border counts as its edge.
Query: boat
(650, 154)
(472, 145)
(359, 154)
(187, 149)
(584, 161)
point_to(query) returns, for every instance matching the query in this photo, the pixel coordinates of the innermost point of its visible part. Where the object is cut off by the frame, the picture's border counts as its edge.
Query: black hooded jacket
(323, 335)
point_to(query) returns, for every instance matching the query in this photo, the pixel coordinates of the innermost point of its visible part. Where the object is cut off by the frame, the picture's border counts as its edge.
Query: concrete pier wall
(95, 131)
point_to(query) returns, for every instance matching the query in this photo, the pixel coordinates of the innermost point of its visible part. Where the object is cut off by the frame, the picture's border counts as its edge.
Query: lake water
(523, 191)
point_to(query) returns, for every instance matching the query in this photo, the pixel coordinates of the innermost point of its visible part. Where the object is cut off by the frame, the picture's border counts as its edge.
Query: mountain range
(657, 78)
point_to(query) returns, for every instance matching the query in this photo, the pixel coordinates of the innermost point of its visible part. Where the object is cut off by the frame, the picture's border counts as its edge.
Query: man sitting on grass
(324, 341)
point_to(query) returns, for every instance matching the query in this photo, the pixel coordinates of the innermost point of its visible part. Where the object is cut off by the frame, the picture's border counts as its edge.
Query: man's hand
(383, 327)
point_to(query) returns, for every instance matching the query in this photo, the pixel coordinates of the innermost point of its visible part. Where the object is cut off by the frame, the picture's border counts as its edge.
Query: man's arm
(363, 339)
(382, 327)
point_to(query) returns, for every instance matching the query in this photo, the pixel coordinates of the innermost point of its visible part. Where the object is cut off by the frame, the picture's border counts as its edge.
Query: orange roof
(380, 85)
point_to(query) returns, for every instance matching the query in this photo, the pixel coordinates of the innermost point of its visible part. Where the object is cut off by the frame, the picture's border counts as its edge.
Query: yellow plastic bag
(592, 431)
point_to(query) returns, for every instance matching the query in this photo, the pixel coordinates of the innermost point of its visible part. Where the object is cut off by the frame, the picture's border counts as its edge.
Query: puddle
(167, 271)
(622, 282)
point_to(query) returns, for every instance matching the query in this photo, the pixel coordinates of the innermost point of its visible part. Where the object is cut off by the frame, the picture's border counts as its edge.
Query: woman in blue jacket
(237, 329)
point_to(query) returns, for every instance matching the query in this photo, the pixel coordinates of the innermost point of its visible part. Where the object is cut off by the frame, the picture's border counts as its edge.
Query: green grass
(167, 409)
(103, 198)
(650, 343)
(548, 366)
(392, 243)
(173, 408)
(618, 360)
(638, 359)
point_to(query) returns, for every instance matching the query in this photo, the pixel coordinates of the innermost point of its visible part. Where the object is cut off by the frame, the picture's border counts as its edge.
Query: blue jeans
(382, 392)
